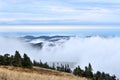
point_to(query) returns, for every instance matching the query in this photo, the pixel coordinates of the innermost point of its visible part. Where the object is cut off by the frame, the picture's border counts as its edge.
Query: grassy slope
(15, 73)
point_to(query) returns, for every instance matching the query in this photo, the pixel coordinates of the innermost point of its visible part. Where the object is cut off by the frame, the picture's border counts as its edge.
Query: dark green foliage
(53, 66)
(26, 62)
(78, 71)
(62, 68)
(11, 60)
(67, 69)
(43, 65)
(1, 60)
(103, 76)
(89, 74)
(88, 71)
(40, 64)
(5, 60)
(84, 73)
(17, 60)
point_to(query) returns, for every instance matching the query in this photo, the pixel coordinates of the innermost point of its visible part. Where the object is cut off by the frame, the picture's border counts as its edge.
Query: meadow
(16, 73)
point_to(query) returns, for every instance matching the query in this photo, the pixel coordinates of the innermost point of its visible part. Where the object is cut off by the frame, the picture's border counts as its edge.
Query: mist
(103, 53)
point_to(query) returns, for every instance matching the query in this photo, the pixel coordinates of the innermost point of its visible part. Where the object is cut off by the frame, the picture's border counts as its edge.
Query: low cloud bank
(102, 53)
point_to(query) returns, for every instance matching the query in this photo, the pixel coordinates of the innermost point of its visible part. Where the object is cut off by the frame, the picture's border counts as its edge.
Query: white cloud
(59, 10)
(51, 28)
(102, 53)
(96, 14)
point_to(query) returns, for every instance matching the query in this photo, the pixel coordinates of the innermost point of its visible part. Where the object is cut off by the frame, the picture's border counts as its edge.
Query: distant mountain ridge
(46, 37)
(38, 42)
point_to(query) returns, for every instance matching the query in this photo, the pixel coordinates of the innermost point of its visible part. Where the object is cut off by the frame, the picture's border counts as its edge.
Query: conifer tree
(26, 62)
(67, 69)
(1, 60)
(6, 59)
(53, 66)
(77, 71)
(11, 60)
(17, 60)
(88, 71)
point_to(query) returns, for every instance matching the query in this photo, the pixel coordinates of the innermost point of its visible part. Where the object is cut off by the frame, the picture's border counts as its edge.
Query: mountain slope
(15, 73)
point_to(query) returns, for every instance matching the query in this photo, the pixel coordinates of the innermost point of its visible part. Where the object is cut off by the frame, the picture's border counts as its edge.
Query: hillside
(16, 73)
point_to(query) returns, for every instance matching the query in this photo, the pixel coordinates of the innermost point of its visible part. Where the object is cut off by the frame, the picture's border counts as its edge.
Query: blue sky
(60, 12)
(22, 30)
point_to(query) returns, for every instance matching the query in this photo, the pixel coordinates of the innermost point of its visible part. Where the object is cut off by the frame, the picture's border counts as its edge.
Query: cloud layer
(59, 12)
(102, 53)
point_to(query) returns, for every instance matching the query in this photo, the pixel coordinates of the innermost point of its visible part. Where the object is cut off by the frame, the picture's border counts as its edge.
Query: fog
(102, 53)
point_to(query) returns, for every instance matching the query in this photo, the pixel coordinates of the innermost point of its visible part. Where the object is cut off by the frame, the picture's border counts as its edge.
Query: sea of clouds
(103, 53)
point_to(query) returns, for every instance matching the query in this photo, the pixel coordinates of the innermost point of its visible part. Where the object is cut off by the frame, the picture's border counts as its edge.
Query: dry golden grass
(13, 73)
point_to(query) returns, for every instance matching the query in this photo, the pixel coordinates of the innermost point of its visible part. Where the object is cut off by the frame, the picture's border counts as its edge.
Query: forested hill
(25, 62)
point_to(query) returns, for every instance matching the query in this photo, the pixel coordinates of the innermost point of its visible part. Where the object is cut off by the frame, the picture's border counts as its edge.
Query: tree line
(16, 60)
(62, 68)
(25, 62)
(88, 73)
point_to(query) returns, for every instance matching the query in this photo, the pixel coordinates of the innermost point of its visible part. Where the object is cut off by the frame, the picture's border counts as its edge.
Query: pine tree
(6, 59)
(62, 68)
(90, 67)
(17, 60)
(113, 77)
(88, 71)
(77, 71)
(53, 66)
(26, 62)
(45, 65)
(97, 76)
(1, 60)
(67, 69)
(11, 60)
(41, 64)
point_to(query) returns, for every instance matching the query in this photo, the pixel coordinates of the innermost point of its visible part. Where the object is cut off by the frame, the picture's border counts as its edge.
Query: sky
(51, 30)
(66, 17)
(60, 16)
(60, 12)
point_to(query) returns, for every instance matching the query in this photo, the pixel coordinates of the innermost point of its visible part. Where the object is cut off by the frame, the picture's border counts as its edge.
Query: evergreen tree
(88, 71)
(35, 63)
(90, 67)
(53, 66)
(6, 59)
(11, 60)
(1, 60)
(77, 71)
(41, 64)
(114, 77)
(62, 68)
(58, 68)
(17, 60)
(98, 75)
(67, 69)
(26, 62)
(45, 65)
